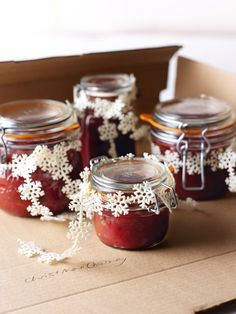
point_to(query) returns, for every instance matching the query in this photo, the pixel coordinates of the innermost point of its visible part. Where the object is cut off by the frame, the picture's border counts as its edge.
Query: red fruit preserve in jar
(104, 105)
(137, 194)
(40, 157)
(195, 136)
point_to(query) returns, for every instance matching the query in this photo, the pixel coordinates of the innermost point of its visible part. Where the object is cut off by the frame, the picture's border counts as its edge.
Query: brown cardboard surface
(54, 77)
(195, 78)
(194, 268)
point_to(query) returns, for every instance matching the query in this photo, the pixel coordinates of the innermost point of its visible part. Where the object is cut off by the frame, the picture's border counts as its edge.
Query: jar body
(132, 198)
(138, 229)
(104, 105)
(93, 146)
(215, 185)
(40, 186)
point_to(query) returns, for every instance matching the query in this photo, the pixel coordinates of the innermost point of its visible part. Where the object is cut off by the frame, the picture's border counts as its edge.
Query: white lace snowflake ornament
(118, 116)
(87, 201)
(53, 161)
(217, 159)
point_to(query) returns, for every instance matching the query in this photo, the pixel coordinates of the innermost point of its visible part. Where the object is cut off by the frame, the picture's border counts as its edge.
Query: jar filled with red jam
(40, 156)
(195, 136)
(137, 195)
(104, 105)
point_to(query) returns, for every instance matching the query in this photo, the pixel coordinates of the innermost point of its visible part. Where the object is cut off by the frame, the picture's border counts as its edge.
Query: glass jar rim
(194, 114)
(33, 113)
(35, 118)
(124, 173)
(109, 85)
(223, 125)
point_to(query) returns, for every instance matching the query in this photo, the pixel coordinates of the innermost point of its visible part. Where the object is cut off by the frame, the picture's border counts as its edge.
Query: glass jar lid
(36, 116)
(33, 113)
(123, 174)
(195, 113)
(106, 85)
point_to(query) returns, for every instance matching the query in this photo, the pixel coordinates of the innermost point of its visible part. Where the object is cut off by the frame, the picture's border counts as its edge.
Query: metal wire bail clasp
(183, 149)
(168, 198)
(96, 160)
(3, 156)
(76, 90)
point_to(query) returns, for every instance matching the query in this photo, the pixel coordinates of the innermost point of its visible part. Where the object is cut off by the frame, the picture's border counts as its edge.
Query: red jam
(28, 124)
(54, 198)
(107, 87)
(137, 230)
(92, 146)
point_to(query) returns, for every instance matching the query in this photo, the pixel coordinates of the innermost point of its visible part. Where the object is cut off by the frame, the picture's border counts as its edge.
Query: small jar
(195, 136)
(137, 195)
(40, 156)
(105, 110)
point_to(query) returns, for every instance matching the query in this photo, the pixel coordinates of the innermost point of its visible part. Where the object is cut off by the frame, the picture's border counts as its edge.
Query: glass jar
(137, 194)
(40, 156)
(106, 115)
(195, 135)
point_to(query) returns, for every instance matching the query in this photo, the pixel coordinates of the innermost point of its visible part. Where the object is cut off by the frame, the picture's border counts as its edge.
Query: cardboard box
(192, 270)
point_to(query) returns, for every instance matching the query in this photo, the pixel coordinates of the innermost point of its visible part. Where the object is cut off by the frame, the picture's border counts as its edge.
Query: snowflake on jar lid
(151, 157)
(128, 156)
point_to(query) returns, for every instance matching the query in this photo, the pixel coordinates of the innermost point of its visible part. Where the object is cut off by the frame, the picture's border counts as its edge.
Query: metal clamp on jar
(191, 134)
(183, 147)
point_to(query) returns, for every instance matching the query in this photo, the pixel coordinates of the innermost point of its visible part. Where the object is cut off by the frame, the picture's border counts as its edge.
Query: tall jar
(104, 104)
(196, 136)
(40, 156)
(136, 197)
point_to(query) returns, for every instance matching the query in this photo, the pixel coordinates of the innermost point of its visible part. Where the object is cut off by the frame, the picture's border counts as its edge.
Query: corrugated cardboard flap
(54, 77)
(195, 78)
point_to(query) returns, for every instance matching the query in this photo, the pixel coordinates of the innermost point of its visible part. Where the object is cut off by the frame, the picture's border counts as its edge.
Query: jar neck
(105, 85)
(49, 140)
(217, 140)
(109, 98)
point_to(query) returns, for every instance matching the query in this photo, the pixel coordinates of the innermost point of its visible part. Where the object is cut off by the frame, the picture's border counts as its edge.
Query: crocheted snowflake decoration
(53, 161)
(88, 201)
(216, 159)
(227, 160)
(117, 115)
